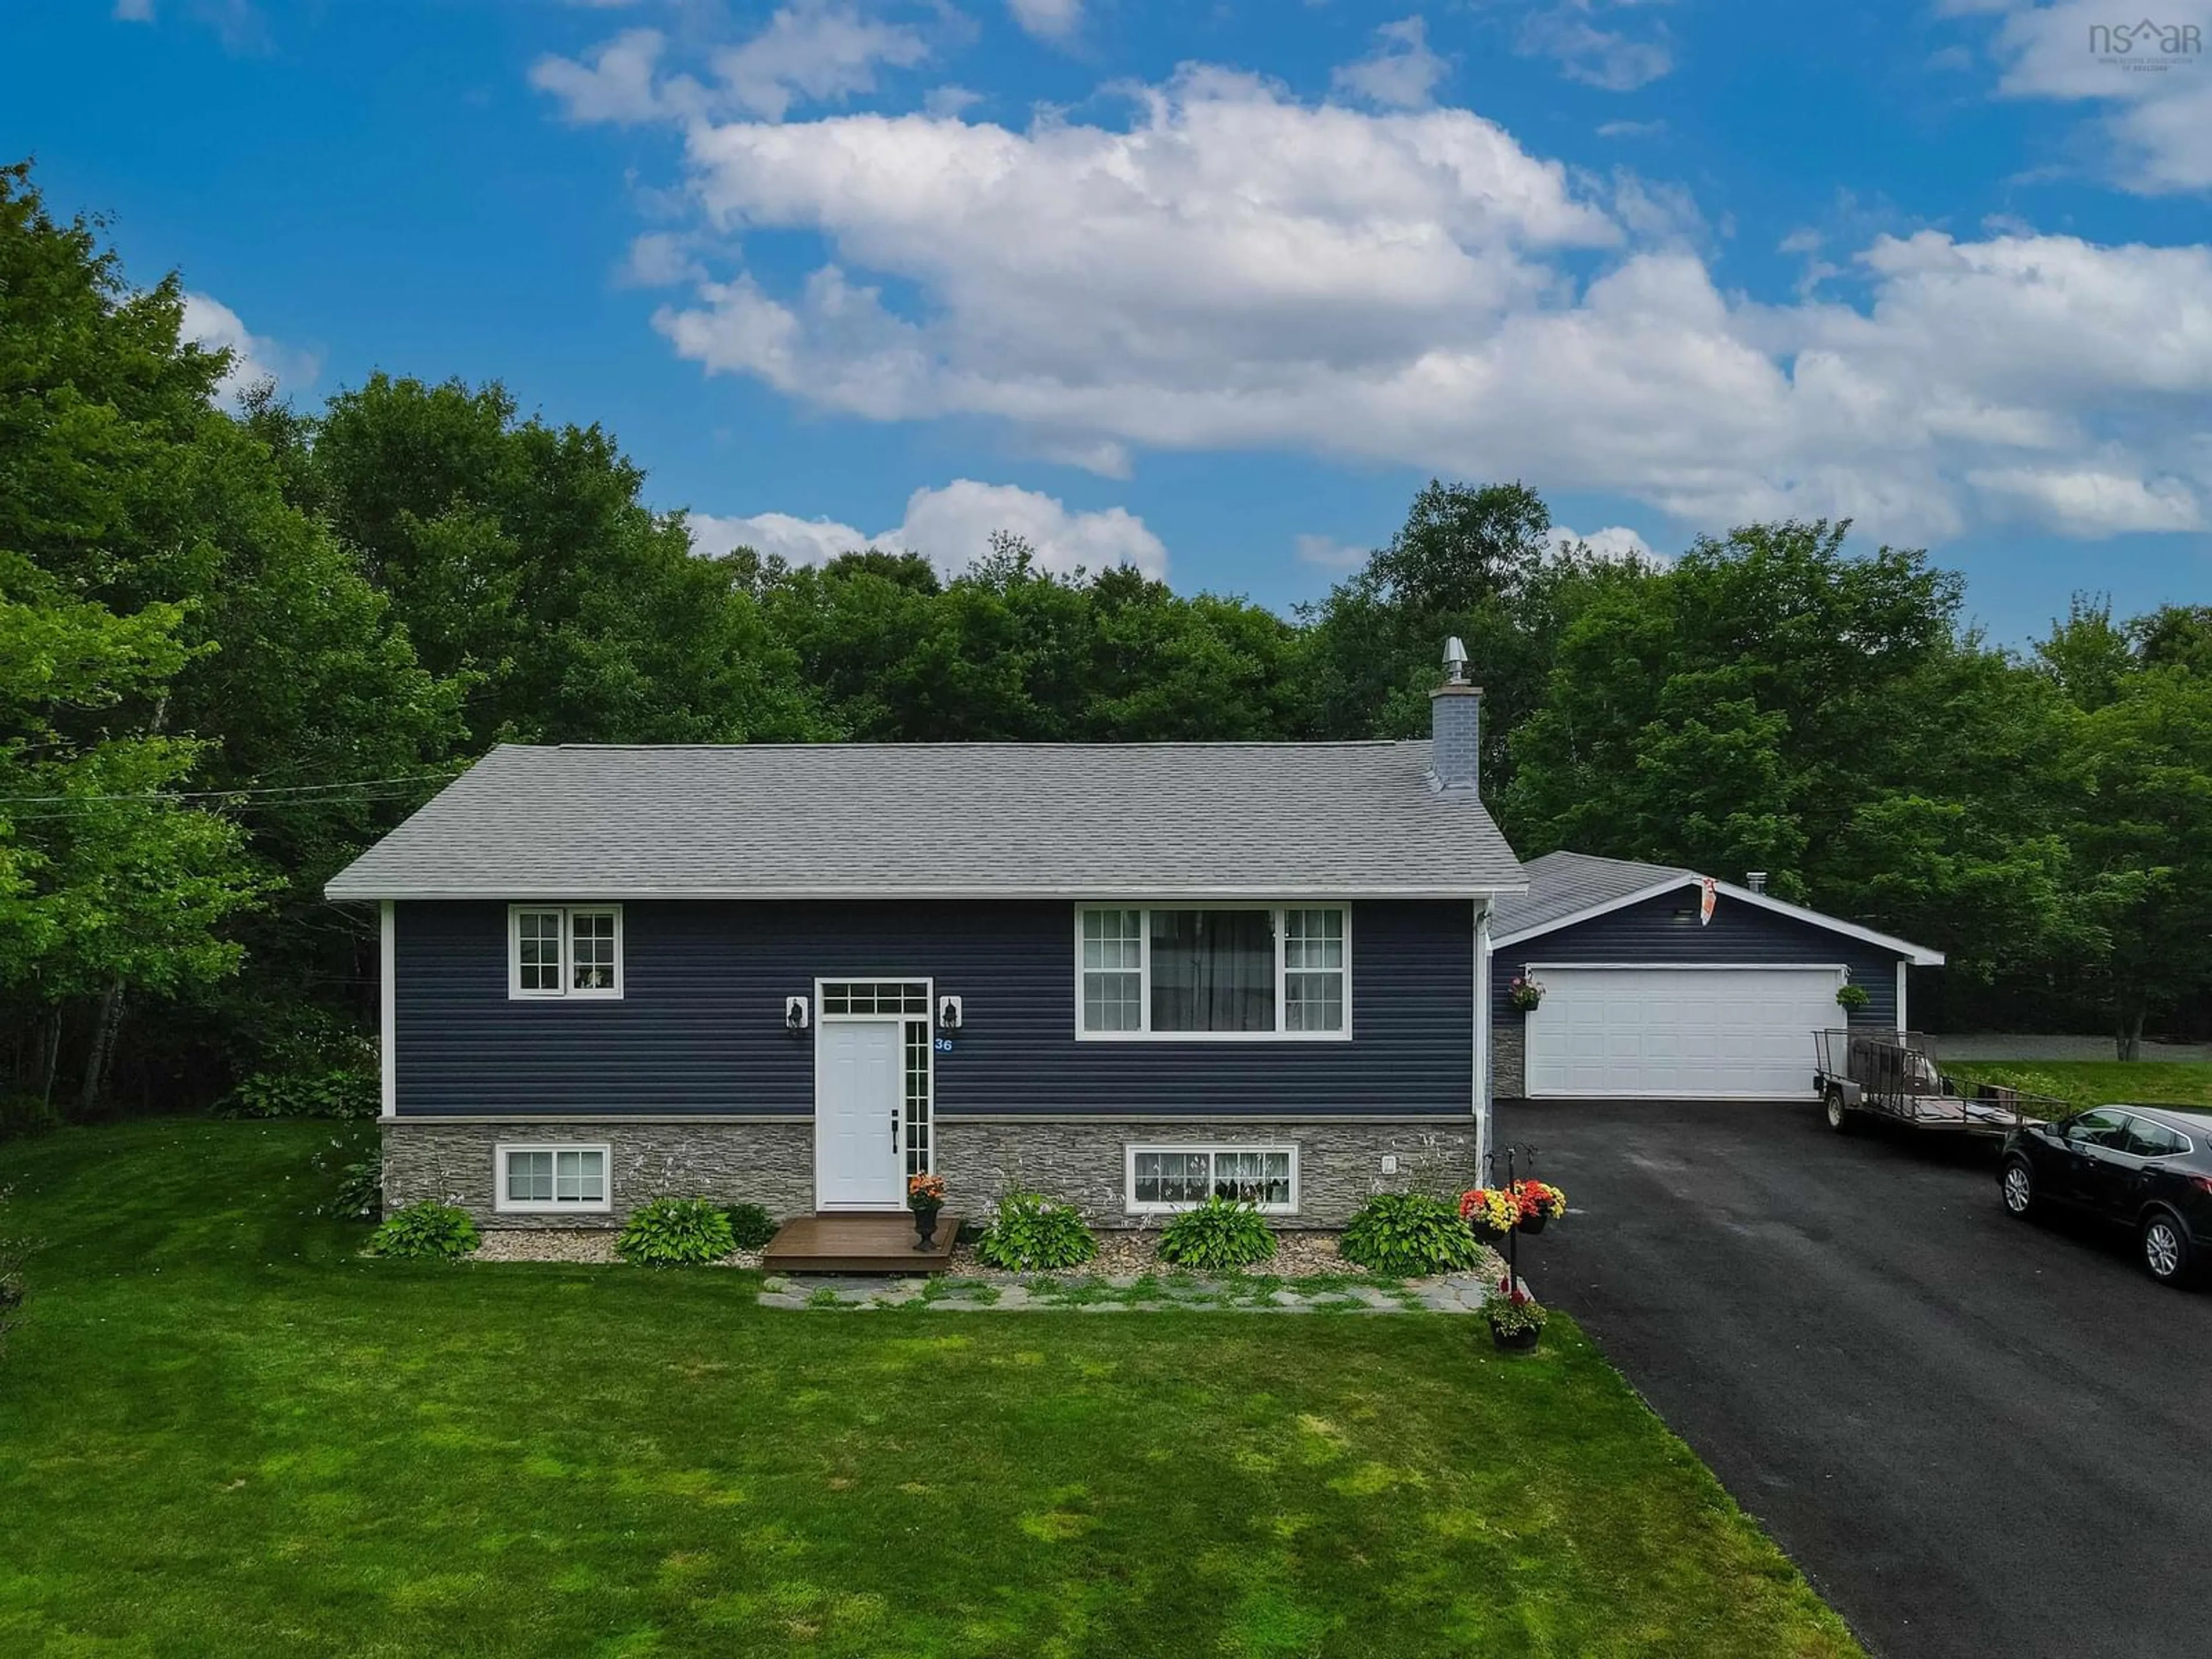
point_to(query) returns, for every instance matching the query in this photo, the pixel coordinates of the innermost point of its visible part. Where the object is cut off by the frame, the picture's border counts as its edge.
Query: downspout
(1484, 1136)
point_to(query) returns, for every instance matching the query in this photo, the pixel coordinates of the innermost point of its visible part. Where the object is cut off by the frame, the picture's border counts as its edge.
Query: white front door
(1678, 1033)
(857, 1098)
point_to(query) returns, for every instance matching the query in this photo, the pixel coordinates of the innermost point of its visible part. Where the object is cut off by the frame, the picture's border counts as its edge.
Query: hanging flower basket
(1526, 994)
(1851, 997)
(1490, 1212)
(1539, 1203)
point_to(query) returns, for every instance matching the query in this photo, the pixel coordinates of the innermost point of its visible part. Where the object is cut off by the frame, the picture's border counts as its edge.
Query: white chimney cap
(1456, 658)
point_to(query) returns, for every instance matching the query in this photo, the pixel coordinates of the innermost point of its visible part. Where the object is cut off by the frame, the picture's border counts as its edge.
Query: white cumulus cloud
(1401, 73)
(1616, 541)
(2150, 76)
(1228, 267)
(1047, 19)
(952, 527)
(810, 51)
(211, 323)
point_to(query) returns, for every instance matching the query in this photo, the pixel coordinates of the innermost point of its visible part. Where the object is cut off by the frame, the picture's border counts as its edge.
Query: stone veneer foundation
(771, 1162)
(1509, 1057)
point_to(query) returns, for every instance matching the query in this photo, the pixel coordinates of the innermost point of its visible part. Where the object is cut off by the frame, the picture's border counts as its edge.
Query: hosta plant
(1218, 1235)
(1408, 1236)
(1030, 1233)
(425, 1230)
(676, 1232)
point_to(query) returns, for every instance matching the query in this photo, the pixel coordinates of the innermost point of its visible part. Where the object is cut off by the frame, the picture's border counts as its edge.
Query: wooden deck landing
(869, 1243)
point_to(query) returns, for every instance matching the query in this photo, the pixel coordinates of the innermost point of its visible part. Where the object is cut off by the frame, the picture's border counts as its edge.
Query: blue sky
(1216, 288)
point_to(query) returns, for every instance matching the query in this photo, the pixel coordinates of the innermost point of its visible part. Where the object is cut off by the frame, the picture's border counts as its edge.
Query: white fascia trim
(1919, 955)
(1086, 890)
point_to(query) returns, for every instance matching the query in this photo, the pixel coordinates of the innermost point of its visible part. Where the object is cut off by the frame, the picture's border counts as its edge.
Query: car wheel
(2017, 1183)
(1841, 1118)
(2167, 1255)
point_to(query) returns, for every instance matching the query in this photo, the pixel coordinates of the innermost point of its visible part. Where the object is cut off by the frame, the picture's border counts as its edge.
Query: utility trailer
(1861, 1074)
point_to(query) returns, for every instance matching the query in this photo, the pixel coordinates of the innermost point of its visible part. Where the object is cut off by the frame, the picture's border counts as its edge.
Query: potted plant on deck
(1516, 1318)
(1539, 1202)
(924, 1196)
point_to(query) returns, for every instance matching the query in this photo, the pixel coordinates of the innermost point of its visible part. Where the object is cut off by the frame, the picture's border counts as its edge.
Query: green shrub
(425, 1230)
(1407, 1235)
(750, 1226)
(359, 1192)
(333, 1092)
(1030, 1233)
(1219, 1234)
(676, 1232)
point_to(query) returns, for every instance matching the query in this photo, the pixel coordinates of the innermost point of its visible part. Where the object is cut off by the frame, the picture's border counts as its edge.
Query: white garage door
(1688, 1033)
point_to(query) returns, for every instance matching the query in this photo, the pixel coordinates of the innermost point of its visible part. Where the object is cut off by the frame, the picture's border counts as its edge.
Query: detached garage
(1660, 984)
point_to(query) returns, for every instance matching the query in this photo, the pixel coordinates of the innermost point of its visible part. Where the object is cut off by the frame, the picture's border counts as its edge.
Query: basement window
(552, 1178)
(1168, 1178)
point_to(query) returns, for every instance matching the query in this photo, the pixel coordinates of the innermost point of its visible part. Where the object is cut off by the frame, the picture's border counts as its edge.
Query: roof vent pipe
(1455, 727)
(1755, 879)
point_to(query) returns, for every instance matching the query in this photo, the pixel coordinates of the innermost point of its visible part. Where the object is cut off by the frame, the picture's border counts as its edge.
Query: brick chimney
(1455, 727)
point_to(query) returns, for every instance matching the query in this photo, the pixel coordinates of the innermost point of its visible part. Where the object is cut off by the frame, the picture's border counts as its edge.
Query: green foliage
(1408, 1236)
(350, 1091)
(750, 1226)
(1031, 1233)
(1510, 1314)
(426, 1230)
(1216, 1236)
(676, 1232)
(12, 1289)
(1852, 998)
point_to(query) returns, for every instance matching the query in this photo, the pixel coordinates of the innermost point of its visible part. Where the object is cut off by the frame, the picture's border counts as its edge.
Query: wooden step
(859, 1243)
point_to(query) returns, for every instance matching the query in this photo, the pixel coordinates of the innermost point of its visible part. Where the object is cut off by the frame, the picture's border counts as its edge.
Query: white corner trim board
(387, 1007)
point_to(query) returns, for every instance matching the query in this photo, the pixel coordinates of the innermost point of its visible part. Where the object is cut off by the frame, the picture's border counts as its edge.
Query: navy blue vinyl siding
(700, 1026)
(1665, 930)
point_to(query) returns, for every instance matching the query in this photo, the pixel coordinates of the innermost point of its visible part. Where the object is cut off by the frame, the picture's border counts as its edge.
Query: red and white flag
(1706, 901)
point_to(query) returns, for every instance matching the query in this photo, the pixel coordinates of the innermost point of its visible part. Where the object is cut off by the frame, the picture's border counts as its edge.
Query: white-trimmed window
(551, 1178)
(1212, 972)
(1164, 1178)
(564, 951)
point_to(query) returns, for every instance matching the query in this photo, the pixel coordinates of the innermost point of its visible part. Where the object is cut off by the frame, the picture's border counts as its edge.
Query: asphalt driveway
(1976, 1437)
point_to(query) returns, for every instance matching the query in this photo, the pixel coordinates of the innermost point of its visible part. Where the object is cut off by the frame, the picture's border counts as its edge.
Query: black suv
(2149, 1168)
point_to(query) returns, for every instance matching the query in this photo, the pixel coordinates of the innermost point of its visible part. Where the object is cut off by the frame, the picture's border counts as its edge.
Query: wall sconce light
(795, 1013)
(948, 1013)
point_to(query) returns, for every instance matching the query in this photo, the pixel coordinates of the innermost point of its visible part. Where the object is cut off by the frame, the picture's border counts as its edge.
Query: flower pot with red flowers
(924, 1196)
(1490, 1212)
(1539, 1203)
(1516, 1318)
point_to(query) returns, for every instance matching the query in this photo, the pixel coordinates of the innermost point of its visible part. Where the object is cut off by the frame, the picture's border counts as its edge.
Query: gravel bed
(1297, 1255)
(595, 1245)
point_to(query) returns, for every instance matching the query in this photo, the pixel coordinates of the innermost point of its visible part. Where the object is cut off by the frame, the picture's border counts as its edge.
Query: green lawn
(223, 1432)
(2098, 1082)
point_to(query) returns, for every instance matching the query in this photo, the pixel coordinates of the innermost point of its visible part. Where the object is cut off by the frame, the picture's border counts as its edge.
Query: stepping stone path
(1124, 1294)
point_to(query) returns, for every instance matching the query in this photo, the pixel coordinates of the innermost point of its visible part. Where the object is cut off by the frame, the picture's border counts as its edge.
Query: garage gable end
(1663, 931)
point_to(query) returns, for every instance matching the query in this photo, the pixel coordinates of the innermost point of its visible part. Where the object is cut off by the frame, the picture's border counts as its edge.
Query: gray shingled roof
(1563, 884)
(1166, 820)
